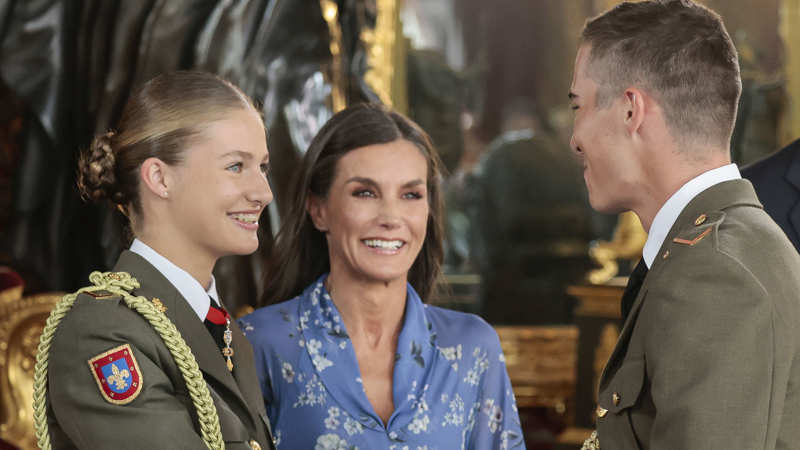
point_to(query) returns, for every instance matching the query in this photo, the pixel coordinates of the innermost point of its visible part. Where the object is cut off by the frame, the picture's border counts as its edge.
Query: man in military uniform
(132, 392)
(709, 354)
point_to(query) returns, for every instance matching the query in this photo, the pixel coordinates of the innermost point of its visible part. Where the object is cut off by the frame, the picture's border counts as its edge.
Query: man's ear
(635, 108)
(315, 209)
(155, 177)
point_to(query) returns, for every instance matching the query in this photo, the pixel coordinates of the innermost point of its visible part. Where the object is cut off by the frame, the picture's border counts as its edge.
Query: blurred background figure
(531, 222)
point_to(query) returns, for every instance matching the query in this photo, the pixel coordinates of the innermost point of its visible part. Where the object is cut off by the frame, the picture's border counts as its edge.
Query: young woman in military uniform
(146, 357)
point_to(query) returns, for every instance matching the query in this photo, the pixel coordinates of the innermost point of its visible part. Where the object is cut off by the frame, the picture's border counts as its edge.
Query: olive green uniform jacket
(163, 415)
(709, 356)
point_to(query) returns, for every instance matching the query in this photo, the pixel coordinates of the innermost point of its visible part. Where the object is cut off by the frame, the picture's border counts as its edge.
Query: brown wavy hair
(300, 254)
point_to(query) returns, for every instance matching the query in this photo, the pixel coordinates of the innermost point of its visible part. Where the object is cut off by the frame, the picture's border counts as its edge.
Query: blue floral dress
(450, 387)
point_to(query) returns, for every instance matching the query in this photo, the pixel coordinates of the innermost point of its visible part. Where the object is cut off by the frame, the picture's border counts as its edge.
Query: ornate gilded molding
(21, 324)
(597, 300)
(330, 12)
(541, 363)
(385, 47)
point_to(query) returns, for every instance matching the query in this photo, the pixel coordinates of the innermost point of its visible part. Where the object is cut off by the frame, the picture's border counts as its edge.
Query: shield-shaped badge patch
(117, 375)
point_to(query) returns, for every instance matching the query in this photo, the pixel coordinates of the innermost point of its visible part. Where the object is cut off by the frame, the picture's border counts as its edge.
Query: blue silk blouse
(450, 385)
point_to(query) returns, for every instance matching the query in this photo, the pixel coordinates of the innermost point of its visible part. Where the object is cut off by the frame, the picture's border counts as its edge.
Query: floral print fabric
(450, 385)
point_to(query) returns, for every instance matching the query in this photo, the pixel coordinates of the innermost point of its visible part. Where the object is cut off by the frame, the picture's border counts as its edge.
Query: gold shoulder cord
(121, 283)
(591, 443)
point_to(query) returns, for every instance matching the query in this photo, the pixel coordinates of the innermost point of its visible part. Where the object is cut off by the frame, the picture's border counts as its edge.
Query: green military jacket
(161, 415)
(709, 356)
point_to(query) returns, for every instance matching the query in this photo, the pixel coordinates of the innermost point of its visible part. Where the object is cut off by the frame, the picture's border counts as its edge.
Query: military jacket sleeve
(161, 413)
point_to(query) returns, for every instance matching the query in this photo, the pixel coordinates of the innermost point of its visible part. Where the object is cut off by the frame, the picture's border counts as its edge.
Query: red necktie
(216, 321)
(217, 316)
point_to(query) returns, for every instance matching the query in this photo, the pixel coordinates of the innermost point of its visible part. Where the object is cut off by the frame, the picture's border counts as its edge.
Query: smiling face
(220, 189)
(376, 212)
(598, 138)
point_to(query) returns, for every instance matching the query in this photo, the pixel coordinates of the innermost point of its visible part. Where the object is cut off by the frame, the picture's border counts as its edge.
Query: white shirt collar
(189, 288)
(672, 208)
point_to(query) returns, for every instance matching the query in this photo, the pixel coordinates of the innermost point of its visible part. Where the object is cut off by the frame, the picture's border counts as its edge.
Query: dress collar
(669, 212)
(327, 343)
(189, 288)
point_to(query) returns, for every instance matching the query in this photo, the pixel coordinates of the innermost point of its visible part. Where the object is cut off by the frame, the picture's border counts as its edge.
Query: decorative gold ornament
(700, 219)
(592, 443)
(627, 243)
(386, 62)
(330, 12)
(159, 306)
(227, 337)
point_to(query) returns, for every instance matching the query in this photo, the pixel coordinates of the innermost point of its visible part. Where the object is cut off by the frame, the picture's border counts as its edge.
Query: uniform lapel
(193, 331)
(717, 197)
(627, 328)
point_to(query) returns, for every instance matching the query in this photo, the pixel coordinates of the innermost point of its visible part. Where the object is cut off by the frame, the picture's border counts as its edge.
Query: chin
(386, 276)
(606, 207)
(242, 248)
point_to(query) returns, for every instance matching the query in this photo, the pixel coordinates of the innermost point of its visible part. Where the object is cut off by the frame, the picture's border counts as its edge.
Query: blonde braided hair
(121, 283)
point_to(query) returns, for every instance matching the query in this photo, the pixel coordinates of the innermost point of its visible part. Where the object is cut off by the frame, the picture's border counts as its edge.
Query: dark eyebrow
(373, 183)
(413, 183)
(362, 180)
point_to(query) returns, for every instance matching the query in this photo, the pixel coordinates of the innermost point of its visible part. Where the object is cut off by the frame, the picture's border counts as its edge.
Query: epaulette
(701, 228)
(106, 285)
(100, 294)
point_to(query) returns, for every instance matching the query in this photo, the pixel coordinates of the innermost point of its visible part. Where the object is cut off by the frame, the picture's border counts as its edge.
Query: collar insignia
(691, 242)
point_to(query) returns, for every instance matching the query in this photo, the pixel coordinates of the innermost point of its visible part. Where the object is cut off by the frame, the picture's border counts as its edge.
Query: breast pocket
(623, 389)
(616, 401)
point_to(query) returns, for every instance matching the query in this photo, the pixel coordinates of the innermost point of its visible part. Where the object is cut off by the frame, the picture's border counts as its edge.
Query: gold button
(254, 445)
(600, 411)
(666, 254)
(700, 219)
(615, 398)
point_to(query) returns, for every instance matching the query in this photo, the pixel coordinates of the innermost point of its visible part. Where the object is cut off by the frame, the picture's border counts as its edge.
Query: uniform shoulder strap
(121, 284)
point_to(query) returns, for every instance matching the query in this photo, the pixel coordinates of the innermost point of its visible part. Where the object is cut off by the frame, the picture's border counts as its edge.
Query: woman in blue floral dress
(356, 359)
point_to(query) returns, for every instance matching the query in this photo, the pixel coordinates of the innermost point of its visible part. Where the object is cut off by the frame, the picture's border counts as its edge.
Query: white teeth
(248, 218)
(378, 243)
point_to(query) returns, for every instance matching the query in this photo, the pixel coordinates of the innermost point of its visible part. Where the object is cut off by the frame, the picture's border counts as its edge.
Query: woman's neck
(196, 264)
(372, 311)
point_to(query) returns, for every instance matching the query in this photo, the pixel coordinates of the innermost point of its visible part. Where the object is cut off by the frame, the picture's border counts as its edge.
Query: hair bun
(96, 171)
